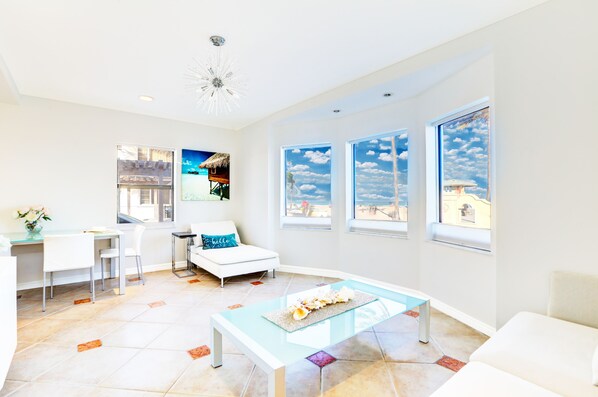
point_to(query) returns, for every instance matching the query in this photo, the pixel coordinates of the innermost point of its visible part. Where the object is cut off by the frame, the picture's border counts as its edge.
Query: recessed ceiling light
(388, 94)
(336, 110)
(146, 98)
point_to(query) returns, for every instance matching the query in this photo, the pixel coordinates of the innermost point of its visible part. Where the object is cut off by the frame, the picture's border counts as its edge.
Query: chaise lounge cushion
(480, 380)
(552, 353)
(233, 255)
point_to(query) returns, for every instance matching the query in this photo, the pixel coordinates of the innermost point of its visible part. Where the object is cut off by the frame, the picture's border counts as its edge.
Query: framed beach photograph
(205, 176)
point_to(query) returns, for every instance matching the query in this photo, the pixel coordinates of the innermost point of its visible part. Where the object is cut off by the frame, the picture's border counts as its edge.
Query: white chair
(112, 253)
(67, 252)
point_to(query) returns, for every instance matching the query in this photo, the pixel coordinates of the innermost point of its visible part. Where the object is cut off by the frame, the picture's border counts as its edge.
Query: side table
(188, 272)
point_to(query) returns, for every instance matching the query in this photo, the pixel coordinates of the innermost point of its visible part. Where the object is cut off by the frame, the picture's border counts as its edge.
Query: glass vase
(33, 228)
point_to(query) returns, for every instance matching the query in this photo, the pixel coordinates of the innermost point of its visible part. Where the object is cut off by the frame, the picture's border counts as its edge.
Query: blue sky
(192, 158)
(465, 150)
(374, 178)
(311, 171)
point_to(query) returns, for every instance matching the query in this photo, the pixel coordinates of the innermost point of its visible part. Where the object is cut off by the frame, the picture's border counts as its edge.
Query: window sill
(378, 233)
(463, 237)
(397, 229)
(289, 222)
(461, 247)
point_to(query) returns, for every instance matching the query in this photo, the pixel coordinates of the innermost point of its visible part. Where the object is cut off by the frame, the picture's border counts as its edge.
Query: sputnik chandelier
(215, 82)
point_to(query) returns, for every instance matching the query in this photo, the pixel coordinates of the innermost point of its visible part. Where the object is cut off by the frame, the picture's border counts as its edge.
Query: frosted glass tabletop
(38, 238)
(289, 347)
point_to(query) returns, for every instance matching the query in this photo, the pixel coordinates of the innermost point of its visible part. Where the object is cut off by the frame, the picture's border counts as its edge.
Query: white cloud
(296, 151)
(475, 139)
(475, 150)
(384, 147)
(370, 153)
(376, 196)
(385, 157)
(311, 177)
(186, 162)
(403, 135)
(387, 139)
(403, 155)
(452, 152)
(458, 140)
(305, 188)
(376, 171)
(367, 164)
(374, 141)
(317, 157)
(299, 167)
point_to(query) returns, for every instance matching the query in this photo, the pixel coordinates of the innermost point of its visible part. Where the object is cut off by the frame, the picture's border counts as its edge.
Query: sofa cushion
(570, 297)
(218, 241)
(229, 256)
(480, 380)
(214, 228)
(552, 353)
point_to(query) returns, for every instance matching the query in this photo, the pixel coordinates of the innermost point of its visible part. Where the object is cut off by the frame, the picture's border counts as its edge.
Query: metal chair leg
(140, 270)
(273, 273)
(44, 292)
(221, 283)
(93, 285)
(102, 272)
(51, 285)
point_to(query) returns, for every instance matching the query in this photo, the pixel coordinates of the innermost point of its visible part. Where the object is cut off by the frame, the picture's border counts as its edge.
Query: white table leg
(216, 347)
(122, 274)
(276, 383)
(424, 322)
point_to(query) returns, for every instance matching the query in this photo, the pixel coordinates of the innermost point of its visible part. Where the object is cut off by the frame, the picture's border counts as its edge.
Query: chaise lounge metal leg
(51, 285)
(221, 283)
(273, 273)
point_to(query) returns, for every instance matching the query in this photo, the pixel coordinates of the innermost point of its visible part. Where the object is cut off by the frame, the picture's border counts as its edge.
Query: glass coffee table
(272, 348)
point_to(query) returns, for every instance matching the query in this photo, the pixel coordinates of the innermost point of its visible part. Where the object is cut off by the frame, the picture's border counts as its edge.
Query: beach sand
(197, 188)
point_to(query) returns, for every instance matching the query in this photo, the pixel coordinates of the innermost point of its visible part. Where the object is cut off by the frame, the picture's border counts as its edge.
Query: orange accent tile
(132, 280)
(193, 281)
(256, 282)
(411, 313)
(321, 359)
(233, 307)
(156, 304)
(94, 344)
(451, 363)
(199, 352)
(81, 301)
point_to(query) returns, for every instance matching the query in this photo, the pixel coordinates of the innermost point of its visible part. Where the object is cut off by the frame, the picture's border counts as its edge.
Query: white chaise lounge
(233, 261)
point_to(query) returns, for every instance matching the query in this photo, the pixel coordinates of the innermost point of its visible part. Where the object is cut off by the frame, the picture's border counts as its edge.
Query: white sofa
(537, 355)
(233, 261)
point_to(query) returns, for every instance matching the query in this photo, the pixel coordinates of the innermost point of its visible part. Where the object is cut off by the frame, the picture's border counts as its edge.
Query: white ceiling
(108, 52)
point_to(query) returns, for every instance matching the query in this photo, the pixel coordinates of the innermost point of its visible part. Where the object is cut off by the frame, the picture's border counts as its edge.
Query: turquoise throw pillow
(225, 241)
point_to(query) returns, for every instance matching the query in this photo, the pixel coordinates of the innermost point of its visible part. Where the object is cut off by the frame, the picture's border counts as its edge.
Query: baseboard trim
(435, 303)
(97, 275)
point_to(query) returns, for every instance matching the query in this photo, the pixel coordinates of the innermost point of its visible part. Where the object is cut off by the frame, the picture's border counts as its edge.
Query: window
(145, 184)
(463, 195)
(377, 188)
(306, 185)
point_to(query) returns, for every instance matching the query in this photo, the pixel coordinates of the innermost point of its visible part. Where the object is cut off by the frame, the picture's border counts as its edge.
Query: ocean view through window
(377, 185)
(145, 184)
(307, 185)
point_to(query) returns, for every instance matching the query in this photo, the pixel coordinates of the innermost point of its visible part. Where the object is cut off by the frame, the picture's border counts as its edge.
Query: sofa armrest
(573, 298)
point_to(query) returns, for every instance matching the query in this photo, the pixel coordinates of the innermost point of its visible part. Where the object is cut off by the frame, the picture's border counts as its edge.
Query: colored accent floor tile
(411, 313)
(321, 359)
(94, 344)
(193, 281)
(132, 280)
(233, 307)
(81, 301)
(199, 352)
(156, 304)
(256, 283)
(451, 363)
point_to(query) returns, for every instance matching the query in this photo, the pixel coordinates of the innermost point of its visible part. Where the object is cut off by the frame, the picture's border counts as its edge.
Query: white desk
(116, 237)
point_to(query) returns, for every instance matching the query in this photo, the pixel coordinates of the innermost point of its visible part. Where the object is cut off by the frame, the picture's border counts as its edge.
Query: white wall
(63, 156)
(541, 75)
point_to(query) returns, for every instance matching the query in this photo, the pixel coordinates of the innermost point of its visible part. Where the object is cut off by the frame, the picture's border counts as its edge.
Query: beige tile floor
(144, 349)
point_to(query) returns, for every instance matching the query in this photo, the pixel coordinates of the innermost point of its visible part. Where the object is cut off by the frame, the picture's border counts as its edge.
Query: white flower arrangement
(303, 307)
(4, 244)
(33, 216)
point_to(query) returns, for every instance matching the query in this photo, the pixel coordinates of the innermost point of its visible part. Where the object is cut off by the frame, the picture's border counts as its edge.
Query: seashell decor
(303, 307)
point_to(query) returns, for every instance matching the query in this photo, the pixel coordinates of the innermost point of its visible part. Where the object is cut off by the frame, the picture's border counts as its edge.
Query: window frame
(373, 227)
(461, 236)
(306, 223)
(173, 203)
